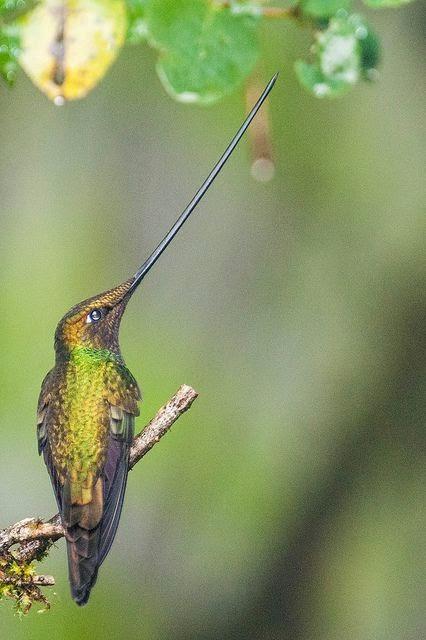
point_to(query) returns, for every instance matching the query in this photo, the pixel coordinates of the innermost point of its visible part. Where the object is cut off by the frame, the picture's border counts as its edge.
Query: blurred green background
(288, 502)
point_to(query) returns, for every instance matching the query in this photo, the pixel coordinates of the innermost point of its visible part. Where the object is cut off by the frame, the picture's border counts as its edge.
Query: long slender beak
(149, 262)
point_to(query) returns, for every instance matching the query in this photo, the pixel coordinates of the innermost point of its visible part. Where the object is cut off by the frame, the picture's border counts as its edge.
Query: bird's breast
(79, 419)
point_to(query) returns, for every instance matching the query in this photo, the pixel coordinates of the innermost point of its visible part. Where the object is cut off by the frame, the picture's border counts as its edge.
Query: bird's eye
(94, 316)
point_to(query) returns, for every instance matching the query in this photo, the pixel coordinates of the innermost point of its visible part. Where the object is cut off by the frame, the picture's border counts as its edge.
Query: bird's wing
(43, 405)
(115, 475)
(123, 409)
(42, 440)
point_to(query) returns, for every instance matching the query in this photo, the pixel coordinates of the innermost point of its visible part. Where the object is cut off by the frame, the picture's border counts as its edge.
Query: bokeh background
(288, 502)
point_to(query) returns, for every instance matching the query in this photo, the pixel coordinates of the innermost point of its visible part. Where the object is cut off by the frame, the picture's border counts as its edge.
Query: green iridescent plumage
(85, 422)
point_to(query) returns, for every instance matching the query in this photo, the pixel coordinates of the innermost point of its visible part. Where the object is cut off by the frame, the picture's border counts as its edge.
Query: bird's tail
(82, 523)
(90, 515)
(82, 568)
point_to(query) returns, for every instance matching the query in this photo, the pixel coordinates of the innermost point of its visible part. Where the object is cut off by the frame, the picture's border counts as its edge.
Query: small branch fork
(35, 537)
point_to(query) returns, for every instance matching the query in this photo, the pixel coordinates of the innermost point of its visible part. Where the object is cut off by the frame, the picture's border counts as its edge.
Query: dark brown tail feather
(115, 481)
(82, 531)
(83, 564)
(88, 547)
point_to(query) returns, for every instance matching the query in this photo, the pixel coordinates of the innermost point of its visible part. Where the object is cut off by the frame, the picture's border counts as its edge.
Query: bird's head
(94, 323)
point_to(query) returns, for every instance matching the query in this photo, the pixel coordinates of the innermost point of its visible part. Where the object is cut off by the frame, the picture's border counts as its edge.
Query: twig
(161, 423)
(281, 12)
(35, 537)
(268, 12)
(28, 530)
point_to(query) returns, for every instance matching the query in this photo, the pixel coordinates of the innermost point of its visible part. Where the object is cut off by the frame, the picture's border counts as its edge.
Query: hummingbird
(87, 409)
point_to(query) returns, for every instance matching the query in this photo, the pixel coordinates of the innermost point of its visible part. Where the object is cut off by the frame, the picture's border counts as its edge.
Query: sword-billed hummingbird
(87, 408)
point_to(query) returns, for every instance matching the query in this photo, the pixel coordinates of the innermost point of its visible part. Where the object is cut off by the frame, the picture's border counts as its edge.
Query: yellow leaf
(68, 45)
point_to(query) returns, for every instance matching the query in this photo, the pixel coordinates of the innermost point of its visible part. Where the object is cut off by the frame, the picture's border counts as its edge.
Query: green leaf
(10, 9)
(9, 52)
(136, 30)
(323, 8)
(337, 64)
(344, 52)
(312, 78)
(206, 50)
(370, 50)
(378, 4)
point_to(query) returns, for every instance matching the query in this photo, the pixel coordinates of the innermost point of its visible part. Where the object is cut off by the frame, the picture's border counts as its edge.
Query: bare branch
(161, 423)
(44, 581)
(30, 529)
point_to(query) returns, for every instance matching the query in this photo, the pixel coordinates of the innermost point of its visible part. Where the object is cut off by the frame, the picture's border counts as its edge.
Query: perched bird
(87, 409)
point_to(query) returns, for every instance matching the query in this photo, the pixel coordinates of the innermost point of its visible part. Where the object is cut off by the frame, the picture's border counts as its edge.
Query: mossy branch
(34, 537)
